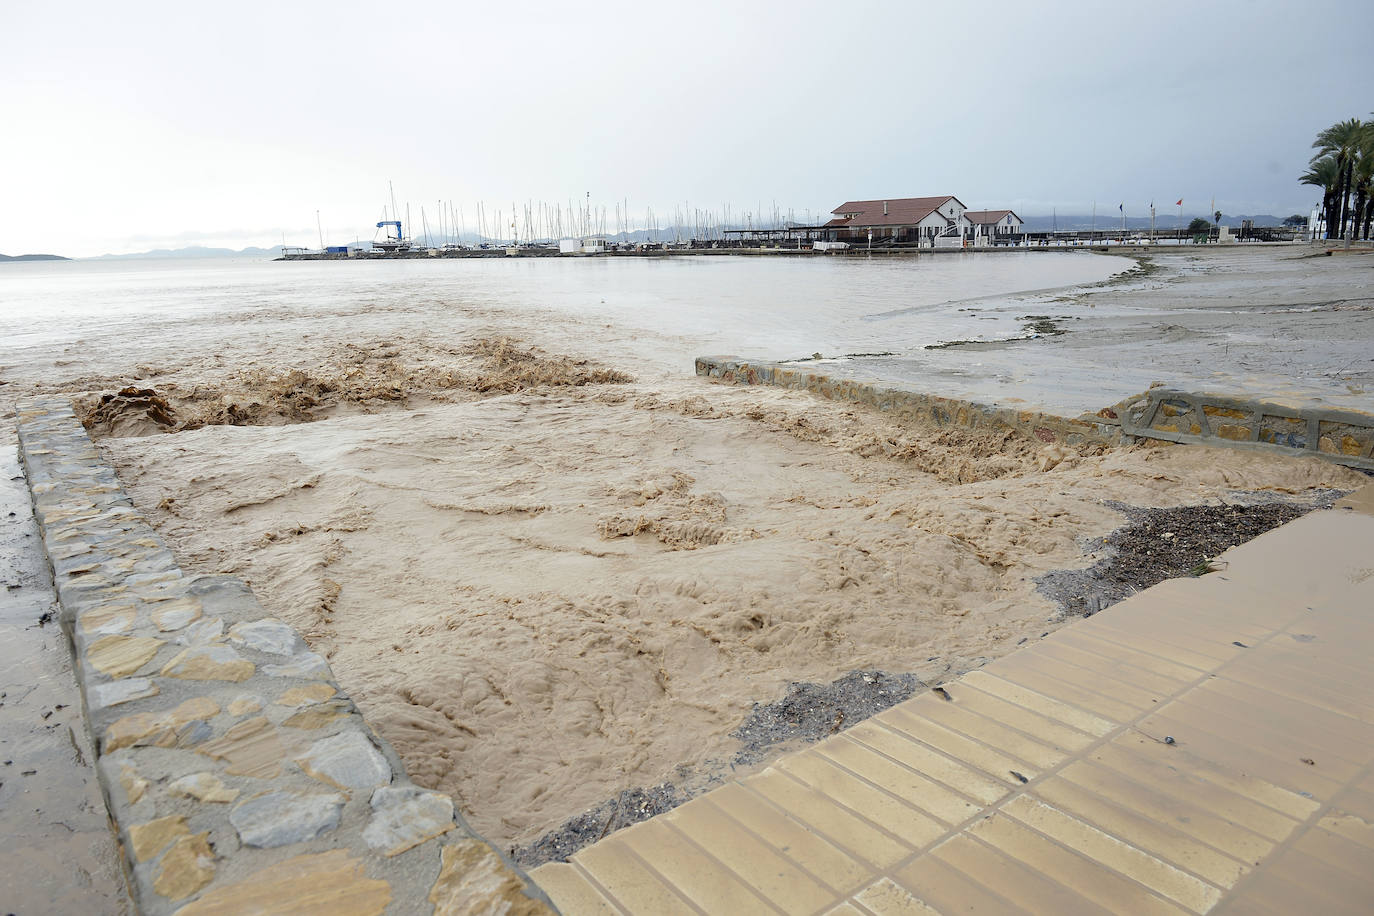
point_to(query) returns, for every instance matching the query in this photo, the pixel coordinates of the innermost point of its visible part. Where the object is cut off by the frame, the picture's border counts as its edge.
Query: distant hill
(33, 257)
(195, 251)
(1108, 221)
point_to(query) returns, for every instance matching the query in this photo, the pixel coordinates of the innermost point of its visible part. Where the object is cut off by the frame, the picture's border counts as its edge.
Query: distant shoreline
(32, 257)
(1129, 249)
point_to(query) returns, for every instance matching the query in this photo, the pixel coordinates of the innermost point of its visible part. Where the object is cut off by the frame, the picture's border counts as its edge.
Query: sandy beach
(552, 565)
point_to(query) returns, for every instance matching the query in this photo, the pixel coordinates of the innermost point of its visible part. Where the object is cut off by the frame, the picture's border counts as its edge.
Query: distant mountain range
(195, 251)
(33, 257)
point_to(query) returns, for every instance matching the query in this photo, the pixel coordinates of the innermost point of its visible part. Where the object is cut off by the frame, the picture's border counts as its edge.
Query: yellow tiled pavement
(1207, 745)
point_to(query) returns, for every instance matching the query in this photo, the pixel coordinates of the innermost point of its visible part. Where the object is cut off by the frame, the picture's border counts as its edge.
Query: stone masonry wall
(238, 776)
(1341, 436)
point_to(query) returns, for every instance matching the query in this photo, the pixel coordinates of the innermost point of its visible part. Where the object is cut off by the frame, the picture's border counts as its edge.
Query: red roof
(986, 217)
(906, 211)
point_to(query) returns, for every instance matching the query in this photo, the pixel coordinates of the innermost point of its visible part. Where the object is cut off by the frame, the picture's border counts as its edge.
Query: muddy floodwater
(553, 566)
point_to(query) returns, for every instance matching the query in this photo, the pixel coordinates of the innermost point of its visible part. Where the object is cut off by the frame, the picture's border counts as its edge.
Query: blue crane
(393, 222)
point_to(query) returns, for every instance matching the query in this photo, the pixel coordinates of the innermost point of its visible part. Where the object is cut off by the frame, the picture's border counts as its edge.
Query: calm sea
(750, 306)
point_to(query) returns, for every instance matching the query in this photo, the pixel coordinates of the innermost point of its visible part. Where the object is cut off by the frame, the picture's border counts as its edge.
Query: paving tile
(956, 745)
(1082, 875)
(1018, 717)
(968, 781)
(1007, 877)
(1276, 725)
(1299, 883)
(1074, 716)
(911, 718)
(838, 824)
(753, 860)
(813, 853)
(845, 909)
(1349, 827)
(1149, 798)
(887, 898)
(1351, 860)
(1111, 700)
(1238, 611)
(912, 785)
(1149, 643)
(1166, 643)
(694, 874)
(949, 890)
(901, 819)
(572, 893)
(1237, 750)
(1332, 722)
(1061, 653)
(632, 885)
(1319, 690)
(1207, 624)
(1240, 798)
(1114, 853)
(1146, 833)
(1138, 657)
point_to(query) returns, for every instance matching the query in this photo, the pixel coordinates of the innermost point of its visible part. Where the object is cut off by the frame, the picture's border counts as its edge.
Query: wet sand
(1263, 321)
(549, 576)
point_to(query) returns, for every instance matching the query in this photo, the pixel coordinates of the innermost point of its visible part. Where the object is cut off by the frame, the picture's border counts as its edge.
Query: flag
(1178, 203)
(1121, 207)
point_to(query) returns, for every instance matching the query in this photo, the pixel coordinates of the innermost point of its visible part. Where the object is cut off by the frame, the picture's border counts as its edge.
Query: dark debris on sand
(630, 807)
(1159, 544)
(808, 712)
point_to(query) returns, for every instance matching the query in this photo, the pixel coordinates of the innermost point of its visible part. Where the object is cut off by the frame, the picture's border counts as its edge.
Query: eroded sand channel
(546, 595)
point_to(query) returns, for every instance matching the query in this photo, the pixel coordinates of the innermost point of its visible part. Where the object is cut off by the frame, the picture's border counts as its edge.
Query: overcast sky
(133, 125)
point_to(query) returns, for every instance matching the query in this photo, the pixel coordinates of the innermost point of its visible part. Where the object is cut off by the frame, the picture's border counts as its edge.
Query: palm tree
(1322, 173)
(1364, 183)
(1342, 140)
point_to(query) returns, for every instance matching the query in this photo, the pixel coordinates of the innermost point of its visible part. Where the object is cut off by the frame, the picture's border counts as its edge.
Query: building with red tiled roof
(925, 221)
(908, 219)
(993, 225)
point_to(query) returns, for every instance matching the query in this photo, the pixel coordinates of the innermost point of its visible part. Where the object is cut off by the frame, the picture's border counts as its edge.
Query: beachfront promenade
(1207, 745)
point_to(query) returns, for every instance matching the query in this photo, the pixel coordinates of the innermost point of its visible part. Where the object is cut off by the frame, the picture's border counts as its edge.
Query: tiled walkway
(1207, 745)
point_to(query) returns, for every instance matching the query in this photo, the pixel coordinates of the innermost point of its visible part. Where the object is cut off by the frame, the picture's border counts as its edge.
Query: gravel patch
(1159, 544)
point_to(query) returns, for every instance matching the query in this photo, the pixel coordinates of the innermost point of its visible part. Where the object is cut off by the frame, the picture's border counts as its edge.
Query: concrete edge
(1340, 436)
(914, 405)
(238, 775)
